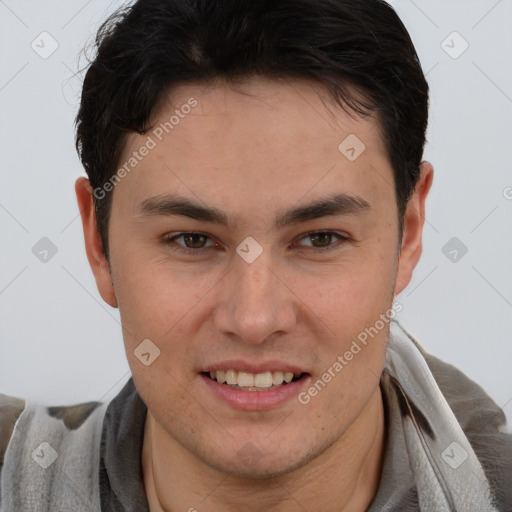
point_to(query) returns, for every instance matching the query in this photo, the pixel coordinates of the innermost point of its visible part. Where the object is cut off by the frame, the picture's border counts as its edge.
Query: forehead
(258, 109)
(236, 143)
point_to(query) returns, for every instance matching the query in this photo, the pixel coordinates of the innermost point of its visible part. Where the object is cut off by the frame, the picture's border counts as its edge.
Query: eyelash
(168, 240)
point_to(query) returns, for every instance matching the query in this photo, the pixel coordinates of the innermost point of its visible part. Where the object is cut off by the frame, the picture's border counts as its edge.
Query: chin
(262, 469)
(254, 462)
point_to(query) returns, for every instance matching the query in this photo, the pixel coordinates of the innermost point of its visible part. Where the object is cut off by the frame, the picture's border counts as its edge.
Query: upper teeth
(249, 380)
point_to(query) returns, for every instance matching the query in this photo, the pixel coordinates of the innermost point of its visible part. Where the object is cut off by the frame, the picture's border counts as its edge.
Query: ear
(414, 220)
(93, 247)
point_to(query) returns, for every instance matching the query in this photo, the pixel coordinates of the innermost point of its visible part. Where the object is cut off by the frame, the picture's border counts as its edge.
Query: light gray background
(60, 344)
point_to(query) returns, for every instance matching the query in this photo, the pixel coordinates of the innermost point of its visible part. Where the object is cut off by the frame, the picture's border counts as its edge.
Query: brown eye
(193, 242)
(322, 240)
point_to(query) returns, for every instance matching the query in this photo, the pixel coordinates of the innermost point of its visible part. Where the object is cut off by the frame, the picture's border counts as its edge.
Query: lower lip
(254, 400)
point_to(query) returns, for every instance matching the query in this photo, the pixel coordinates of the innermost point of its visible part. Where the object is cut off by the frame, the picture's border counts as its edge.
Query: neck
(344, 478)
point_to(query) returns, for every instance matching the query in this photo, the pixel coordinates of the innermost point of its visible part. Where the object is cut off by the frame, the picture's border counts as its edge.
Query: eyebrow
(169, 204)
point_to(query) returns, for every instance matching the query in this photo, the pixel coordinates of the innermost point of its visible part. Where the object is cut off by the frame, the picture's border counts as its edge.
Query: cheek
(154, 296)
(154, 307)
(355, 306)
(354, 293)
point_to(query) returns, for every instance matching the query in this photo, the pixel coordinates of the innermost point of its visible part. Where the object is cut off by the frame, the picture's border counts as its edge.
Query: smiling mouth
(245, 381)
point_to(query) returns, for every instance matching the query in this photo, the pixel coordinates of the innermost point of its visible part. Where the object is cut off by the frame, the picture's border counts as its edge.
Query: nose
(256, 302)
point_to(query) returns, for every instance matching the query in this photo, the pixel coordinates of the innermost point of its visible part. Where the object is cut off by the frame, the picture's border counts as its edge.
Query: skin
(253, 152)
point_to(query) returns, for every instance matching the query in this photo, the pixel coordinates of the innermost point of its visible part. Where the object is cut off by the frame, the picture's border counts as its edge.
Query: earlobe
(414, 220)
(93, 246)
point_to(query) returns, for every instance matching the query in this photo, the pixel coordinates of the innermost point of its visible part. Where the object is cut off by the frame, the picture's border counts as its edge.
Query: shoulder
(10, 410)
(481, 419)
(474, 409)
(63, 440)
(472, 406)
(65, 418)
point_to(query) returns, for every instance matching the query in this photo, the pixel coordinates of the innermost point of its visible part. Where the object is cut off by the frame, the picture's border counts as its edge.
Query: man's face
(254, 155)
